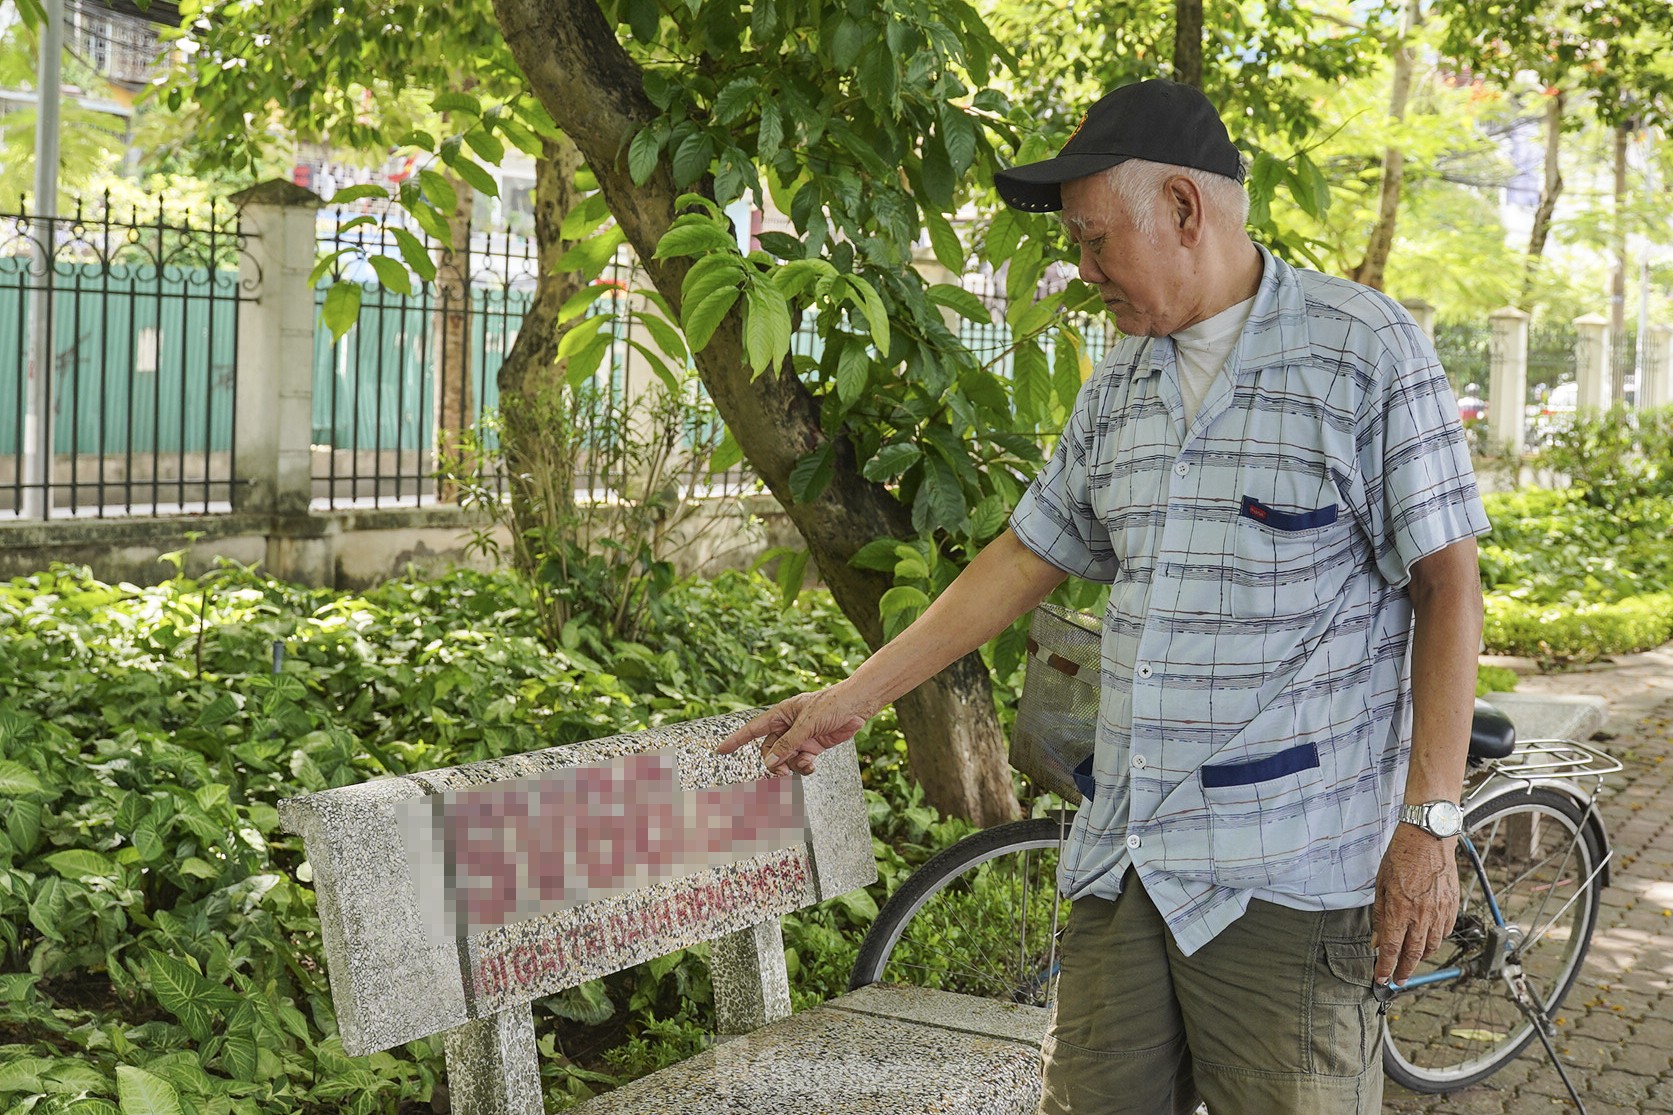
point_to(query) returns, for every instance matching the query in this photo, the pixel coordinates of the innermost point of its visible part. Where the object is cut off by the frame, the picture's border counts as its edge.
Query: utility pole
(37, 419)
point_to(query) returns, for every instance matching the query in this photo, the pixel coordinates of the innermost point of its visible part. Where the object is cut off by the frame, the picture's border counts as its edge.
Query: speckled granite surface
(836, 1061)
(392, 982)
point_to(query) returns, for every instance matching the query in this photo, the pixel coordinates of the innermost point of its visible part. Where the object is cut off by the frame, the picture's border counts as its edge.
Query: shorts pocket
(1346, 1029)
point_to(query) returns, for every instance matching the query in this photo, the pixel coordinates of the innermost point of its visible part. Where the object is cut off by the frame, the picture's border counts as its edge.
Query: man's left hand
(1417, 901)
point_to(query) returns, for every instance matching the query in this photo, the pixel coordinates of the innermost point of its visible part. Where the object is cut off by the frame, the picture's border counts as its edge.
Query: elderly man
(1270, 474)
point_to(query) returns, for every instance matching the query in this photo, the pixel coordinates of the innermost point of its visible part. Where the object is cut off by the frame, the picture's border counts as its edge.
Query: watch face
(1445, 819)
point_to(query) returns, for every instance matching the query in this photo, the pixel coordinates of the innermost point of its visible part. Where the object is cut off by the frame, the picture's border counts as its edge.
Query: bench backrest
(453, 895)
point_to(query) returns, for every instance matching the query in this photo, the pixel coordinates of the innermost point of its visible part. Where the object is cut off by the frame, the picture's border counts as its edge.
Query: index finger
(751, 730)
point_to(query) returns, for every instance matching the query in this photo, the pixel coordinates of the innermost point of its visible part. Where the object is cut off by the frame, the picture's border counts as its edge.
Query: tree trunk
(1371, 269)
(537, 428)
(1549, 190)
(1618, 272)
(455, 409)
(595, 93)
(1187, 42)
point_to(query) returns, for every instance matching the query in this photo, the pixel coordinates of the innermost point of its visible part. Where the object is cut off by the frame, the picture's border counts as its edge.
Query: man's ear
(1185, 209)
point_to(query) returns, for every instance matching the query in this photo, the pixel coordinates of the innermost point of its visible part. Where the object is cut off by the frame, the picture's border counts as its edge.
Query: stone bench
(450, 900)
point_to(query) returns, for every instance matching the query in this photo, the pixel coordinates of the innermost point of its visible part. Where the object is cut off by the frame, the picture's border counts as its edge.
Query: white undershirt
(1202, 350)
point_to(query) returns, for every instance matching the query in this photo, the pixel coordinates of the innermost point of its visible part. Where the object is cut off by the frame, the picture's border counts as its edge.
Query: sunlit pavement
(1615, 1031)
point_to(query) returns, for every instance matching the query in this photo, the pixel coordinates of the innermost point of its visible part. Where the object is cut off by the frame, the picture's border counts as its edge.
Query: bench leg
(492, 1067)
(751, 985)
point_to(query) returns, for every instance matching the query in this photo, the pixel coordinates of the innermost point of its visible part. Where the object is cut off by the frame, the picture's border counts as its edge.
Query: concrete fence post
(1591, 361)
(1422, 313)
(1507, 385)
(273, 423)
(1657, 388)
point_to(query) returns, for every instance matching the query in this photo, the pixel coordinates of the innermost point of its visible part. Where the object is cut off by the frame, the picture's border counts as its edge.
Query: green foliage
(157, 948)
(1570, 579)
(1616, 456)
(1494, 679)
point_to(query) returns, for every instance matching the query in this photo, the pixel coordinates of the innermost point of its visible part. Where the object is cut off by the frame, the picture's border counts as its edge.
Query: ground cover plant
(1585, 571)
(158, 945)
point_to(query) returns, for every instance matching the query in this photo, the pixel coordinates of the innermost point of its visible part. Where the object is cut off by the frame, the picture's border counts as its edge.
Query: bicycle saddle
(1492, 735)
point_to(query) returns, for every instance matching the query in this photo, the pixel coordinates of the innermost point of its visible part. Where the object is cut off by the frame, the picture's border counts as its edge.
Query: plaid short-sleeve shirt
(1255, 720)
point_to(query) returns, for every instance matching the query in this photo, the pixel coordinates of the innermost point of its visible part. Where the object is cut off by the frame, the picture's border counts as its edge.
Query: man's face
(1142, 279)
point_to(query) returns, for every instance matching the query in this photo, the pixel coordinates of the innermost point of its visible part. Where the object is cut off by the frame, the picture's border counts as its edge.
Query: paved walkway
(1616, 1032)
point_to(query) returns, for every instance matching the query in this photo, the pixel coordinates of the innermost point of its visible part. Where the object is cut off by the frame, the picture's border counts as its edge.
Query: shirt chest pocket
(1291, 558)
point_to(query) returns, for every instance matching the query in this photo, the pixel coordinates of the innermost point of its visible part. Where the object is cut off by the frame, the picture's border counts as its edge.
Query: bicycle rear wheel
(979, 918)
(1542, 863)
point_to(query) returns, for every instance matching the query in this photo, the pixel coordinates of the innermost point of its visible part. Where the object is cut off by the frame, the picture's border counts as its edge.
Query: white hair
(1138, 182)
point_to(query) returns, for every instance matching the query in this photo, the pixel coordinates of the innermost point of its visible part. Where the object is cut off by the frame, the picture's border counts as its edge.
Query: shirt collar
(1274, 335)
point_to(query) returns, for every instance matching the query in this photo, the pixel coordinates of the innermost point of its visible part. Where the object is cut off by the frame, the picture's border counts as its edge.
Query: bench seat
(882, 1050)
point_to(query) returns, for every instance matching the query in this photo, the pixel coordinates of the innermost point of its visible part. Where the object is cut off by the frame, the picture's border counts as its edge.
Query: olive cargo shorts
(1274, 1016)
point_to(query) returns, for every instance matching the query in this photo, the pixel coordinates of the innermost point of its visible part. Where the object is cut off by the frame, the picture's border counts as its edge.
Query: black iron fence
(118, 333)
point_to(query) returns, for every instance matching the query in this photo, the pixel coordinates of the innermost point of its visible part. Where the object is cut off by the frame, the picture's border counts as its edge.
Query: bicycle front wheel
(979, 918)
(1542, 863)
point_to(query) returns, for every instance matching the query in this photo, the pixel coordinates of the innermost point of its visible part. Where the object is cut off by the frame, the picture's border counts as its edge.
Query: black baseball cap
(1158, 120)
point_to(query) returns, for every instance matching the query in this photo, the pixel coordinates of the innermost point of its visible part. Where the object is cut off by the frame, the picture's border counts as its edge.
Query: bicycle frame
(1559, 765)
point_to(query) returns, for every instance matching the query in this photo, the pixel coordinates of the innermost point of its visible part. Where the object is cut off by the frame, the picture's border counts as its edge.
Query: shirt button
(1133, 842)
(1143, 670)
(1181, 468)
(1138, 762)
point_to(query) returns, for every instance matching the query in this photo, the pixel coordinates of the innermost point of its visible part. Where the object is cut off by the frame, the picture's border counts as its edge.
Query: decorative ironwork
(138, 320)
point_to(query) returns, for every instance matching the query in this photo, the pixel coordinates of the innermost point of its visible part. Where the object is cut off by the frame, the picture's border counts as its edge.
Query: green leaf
(704, 316)
(766, 326)
(488, 147)
(591, 256)
(692, 158)
(148, 841)
(140, 1093)
(726, 454)
(738, 96)
(582, 301)
(583, 365)
(939, 503)
(961, 302)
(1069, 367)
(899, 607)
(23, 823)
(456, 102)
(521, 138)
(582, 334)
(79, 863)
(417, 138)
(585, 216)
(694, 238)
(879, 554)
(439, 192)
(813, 473)
(342, 308)
(643, 19)
(643, 154)
(791, 571)
(479, 179)
(415, 254)
(1026, 319)
(937, 174)
(74, 1076)
(871, 304)
(355, 193)
(323, 265)
(664, 336)
(432, 222)
(16, 780)
(181, 992)
(392, 275)
(853, 372)
(1032, 379)
(891, 461)
(949, 252)
(23, 1074)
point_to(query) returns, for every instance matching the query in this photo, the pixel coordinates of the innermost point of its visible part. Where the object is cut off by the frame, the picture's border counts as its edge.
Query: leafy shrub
(157, 948)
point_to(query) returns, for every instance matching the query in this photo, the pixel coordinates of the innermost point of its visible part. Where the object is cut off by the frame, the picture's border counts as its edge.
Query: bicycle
(982, 917)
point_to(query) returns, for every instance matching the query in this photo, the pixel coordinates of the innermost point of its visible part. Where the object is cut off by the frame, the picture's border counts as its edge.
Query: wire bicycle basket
(1057, 716)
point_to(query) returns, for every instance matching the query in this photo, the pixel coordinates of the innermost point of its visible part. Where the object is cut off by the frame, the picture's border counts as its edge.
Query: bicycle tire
(935, 930)
(1457, 1034)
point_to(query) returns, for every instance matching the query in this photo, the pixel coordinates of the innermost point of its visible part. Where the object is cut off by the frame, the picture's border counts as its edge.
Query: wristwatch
(1439, 819)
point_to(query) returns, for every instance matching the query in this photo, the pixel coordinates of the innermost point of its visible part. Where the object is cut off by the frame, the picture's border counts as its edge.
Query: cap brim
(1037, 187)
